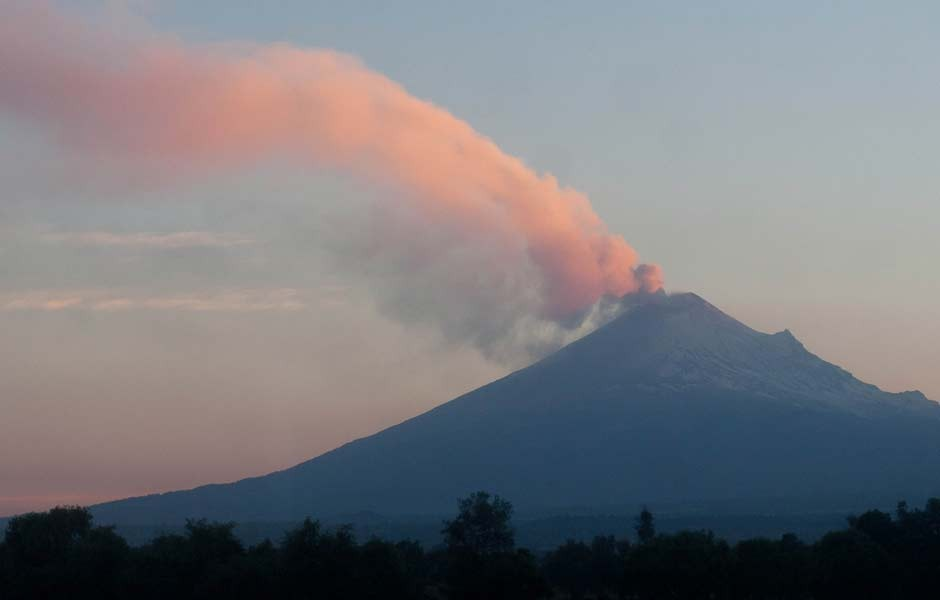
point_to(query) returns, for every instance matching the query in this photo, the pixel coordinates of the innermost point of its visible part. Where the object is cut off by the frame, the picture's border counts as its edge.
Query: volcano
(671, 403)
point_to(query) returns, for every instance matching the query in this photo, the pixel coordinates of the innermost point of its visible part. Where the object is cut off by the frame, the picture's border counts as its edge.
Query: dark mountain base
(673, 404)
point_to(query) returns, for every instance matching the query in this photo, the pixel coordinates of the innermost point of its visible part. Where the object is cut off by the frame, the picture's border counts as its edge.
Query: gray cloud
(158, 241)
(241, 300)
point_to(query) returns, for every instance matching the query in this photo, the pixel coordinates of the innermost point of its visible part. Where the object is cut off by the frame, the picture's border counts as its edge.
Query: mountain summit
(683, 343)
(673, 403)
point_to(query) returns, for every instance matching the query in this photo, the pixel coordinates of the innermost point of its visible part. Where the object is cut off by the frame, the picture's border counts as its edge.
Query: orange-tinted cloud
(156, 103)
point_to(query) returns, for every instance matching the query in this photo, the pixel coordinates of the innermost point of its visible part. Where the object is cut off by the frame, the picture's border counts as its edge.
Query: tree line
(62, 554)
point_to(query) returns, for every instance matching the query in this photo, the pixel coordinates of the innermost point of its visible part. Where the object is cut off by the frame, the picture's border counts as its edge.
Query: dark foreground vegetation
(61, 554)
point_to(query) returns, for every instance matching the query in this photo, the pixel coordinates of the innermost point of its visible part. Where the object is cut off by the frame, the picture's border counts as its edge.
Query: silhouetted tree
(6, 569)
(688, 564)
(385, 573)
(918, 548)
(206, 561)
(34, 539)
(777, 569)
(318, 564)
(99, 561)
(61, 554)
(849, 564)
(579, 570)
(878, 526)
(212, 542)
(481, 560)
(607, 560)
(257, 568)
(645, 528)
(569, 568)
(482, 526)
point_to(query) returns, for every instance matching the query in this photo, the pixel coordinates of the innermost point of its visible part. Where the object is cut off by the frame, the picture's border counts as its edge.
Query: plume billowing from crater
(150, 101)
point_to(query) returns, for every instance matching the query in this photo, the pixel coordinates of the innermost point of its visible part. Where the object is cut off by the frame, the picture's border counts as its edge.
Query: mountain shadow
(673, 403)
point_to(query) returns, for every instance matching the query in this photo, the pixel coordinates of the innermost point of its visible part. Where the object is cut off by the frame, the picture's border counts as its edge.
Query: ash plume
(494, 238)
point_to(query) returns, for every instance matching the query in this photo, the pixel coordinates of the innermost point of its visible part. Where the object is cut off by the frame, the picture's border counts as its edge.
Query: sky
(171, 318)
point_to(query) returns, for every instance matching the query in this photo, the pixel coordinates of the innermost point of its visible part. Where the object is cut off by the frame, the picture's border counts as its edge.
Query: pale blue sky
(781, 160)
(782, 156)
(787, 150)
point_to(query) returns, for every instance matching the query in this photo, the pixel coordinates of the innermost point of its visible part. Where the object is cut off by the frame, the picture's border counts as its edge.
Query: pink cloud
(155, 103)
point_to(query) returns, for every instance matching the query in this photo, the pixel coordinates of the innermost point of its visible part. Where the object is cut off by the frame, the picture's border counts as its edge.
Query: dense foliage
(61, 554)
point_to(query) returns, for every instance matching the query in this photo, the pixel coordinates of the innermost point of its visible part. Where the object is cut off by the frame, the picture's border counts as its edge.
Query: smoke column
(156, 101)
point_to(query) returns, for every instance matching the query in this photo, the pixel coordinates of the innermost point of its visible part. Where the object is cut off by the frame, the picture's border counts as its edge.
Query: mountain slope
(673, 402)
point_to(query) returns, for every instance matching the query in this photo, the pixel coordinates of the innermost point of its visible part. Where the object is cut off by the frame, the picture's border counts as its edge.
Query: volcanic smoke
(154, 101)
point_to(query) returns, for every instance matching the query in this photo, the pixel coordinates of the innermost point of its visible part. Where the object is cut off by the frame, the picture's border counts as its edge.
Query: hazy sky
(159, 332)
